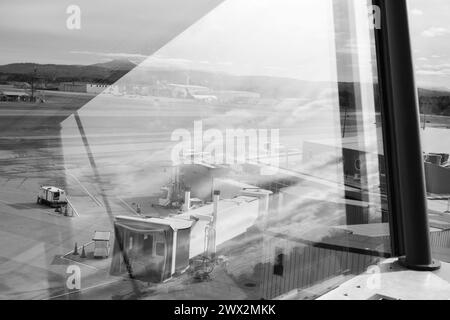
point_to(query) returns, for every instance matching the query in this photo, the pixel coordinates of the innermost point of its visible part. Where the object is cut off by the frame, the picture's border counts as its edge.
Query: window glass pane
(247, 147)
(430, 31)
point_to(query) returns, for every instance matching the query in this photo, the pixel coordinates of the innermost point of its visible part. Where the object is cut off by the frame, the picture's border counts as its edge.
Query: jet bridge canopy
(151, 249)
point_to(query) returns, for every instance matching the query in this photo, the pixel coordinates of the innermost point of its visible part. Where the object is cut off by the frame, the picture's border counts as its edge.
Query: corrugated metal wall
(305, 266)
(440, 239)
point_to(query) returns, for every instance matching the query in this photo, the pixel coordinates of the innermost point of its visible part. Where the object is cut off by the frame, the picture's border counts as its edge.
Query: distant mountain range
(107, 72)
(110, 72)
(119, 64)
(432, 101)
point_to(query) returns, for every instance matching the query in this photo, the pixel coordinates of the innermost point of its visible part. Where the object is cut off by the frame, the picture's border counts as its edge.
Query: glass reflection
(242, 160)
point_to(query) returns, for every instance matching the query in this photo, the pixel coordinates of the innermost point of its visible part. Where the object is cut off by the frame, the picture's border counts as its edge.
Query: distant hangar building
(84, 87)
(73, 87)
(15, 96)
(96, 87)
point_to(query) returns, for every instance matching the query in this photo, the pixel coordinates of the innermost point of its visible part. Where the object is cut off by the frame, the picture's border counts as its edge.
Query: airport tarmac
(41, 144)
(104, 152)
(35, 238)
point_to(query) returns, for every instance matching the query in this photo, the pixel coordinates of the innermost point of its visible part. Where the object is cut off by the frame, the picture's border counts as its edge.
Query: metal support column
(402, 137)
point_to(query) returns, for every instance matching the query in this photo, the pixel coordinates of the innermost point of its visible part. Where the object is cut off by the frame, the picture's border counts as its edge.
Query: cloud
(442, 69)
(160, 61)
(423, 72)
(114, 55)
(434, 32)
(416, 12)
(437, 66)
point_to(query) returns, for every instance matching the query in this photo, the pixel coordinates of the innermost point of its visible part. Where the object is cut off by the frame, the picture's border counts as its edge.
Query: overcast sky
(430, 31)
(35, 31)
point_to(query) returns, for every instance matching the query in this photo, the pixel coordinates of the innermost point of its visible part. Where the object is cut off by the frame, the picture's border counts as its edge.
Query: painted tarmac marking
(86, 190)
(80, 263)
(24, 179)
(85, 289)
(73, 207)
(129, 207)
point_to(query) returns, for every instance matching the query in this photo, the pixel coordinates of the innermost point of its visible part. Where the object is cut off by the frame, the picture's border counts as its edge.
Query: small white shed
(101, 244)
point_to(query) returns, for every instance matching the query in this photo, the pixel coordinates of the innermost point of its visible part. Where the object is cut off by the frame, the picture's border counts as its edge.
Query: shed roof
(101, 236)
(172, 222)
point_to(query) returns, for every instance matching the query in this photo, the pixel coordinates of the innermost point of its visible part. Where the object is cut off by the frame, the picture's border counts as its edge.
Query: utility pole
(32, 83)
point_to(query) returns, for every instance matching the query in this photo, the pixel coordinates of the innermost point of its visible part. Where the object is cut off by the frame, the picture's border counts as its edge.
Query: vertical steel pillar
(403, 150)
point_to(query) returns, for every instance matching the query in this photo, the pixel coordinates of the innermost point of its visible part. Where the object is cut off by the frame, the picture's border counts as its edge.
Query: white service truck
(51, 196)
